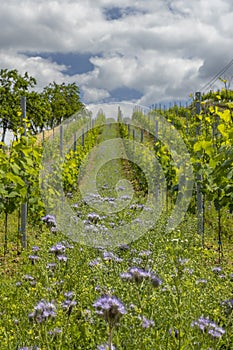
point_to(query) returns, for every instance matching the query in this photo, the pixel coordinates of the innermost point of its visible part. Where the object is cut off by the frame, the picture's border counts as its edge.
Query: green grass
(190, 288)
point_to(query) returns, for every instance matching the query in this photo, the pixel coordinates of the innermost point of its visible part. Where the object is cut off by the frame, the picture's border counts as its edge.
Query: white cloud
(94, 95)
(164, 48)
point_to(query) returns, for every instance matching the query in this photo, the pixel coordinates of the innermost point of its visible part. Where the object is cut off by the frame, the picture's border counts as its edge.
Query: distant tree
(64, 101)
(12, 87)
(39, 111)
(100, 117)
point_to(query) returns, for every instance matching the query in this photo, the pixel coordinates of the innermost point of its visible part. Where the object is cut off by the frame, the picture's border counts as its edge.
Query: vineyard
(116, 233)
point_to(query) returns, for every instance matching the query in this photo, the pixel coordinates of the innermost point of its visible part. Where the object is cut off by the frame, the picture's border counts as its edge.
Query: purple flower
(57, 249)
(95, 262)
(93, 217)
(30, 348)
(105, 347)
(43, 311)
(228, 305)
(35, 248)
(136, 274)
(206, 325)
(68, 305)
(217, 269)
(49, 220)
(146, 323)
(69, 295)
(124, 247)
(55, 332)
(51, 266)
(109, 308)
(145, 253)
(62, 258)
(201, 281)
(33, 258)
(111, 257)
(156, 281)
(28, 278)
(174, 332)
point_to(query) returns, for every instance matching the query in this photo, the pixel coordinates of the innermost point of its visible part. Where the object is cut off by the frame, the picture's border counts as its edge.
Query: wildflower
(51, 266)
(30, 348)
(62, 258)
(109, 308)
(206, 325)
(217, 269)
(201, 281)
(146, 323)
(35, 248)
(156, 281)
(68, 305)
(95, 262)
(105, 347)
(33, 258)
(137, 274)
(174, 332)
(228, 305)
(124, 247)
(28, 278)
(55, 332)
(58, 249)
(93, 217)
(111, 257)
(49, 220)
(136, 261)
(43, 311)
(125, 197)
(145, 253)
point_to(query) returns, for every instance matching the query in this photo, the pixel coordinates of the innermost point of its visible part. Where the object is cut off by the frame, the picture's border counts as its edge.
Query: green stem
(110, 337)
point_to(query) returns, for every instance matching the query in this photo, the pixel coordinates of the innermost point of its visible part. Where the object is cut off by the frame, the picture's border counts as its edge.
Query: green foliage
(12, 87)
(64, 101)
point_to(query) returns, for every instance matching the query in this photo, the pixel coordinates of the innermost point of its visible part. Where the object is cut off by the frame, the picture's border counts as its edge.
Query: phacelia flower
(49, 220)
(136, 274)
(43, 311)
(105, 347)
(146, 323)
(228, 306)
(156, 281)
(58, 249)
(109, 308)
(217, 269)
(33, 258)
(206, 325)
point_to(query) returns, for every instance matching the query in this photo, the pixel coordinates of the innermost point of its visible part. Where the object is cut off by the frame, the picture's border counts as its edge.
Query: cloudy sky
(143, 51)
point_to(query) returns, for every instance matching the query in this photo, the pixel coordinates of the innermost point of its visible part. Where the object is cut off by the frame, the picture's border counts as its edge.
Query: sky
(138, 51)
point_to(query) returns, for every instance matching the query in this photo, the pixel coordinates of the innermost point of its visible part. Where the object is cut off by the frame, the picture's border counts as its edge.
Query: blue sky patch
(77, 63)
(115, 13)
(125, 93)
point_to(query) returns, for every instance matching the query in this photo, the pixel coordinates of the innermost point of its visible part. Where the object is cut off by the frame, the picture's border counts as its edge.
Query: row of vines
(208, 137)
(21, 166)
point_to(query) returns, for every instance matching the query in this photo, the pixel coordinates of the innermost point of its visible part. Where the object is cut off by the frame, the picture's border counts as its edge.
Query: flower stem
(110, 337)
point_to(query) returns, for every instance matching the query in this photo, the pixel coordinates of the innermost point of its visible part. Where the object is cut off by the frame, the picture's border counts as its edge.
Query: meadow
(163, 290)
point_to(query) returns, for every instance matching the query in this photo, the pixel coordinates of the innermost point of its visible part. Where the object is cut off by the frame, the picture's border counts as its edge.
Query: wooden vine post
(200, 201)
(23, 205)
